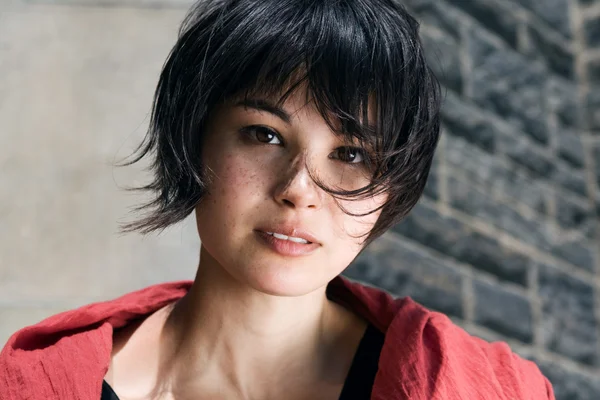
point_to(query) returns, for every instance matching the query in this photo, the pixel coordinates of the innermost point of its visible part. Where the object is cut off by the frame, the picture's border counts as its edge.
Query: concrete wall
(76, 82)
(506, 240)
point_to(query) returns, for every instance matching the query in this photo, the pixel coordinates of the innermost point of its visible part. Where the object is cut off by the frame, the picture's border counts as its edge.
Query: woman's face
(260, 155)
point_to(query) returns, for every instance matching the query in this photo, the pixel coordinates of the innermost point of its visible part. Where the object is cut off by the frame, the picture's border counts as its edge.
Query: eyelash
(250, 131)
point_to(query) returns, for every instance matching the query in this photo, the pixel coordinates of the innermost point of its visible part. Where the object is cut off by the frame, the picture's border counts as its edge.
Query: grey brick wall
(507, 237)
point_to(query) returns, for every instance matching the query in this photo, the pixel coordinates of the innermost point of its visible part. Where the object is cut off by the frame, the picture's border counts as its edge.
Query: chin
(285, 281)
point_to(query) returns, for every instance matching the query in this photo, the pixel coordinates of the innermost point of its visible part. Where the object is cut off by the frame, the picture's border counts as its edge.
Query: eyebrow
(264, 105)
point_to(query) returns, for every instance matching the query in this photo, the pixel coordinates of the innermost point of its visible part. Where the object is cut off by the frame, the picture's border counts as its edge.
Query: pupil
(264, 135)
(349, 154)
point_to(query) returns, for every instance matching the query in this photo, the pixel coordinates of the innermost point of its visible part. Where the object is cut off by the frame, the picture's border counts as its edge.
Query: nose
(296, 188)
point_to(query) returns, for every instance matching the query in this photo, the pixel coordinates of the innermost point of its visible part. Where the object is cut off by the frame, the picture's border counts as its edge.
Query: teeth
(297, 240)
(291, 238)
(280, 236)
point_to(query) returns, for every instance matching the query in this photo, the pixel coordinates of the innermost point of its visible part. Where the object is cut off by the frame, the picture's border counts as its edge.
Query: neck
(224, 333)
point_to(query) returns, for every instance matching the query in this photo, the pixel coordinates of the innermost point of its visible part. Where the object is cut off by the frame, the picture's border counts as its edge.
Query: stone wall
(507, 238)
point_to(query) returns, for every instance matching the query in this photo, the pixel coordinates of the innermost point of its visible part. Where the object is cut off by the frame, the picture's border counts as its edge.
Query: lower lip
(287, 247)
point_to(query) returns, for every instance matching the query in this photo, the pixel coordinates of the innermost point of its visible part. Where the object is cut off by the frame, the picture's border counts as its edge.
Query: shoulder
(67, 354)
(443, 361)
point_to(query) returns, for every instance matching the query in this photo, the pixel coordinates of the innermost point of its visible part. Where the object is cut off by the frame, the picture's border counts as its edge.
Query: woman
(297, 132)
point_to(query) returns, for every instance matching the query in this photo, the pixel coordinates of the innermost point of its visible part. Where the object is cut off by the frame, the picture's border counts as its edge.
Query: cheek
(357, 227)
(237, 178)
(235, 189)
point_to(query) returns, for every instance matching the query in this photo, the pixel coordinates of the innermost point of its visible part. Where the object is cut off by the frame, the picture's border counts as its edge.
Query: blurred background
(506, 239)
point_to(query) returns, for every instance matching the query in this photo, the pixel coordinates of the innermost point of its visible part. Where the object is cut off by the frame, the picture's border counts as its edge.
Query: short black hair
(350, 55)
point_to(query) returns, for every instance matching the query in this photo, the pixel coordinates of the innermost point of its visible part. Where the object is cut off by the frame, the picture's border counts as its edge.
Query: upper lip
(290, 230)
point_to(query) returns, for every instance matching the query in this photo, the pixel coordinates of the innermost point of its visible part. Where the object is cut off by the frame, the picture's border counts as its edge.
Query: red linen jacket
(425, 356)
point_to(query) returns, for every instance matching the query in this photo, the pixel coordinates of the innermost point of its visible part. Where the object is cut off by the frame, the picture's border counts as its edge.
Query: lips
(288, 248)
(290, 238)
(286, 232)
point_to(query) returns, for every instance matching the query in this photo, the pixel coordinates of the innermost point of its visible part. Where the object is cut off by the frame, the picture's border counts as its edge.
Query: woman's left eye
(350, 155)
(263, 134)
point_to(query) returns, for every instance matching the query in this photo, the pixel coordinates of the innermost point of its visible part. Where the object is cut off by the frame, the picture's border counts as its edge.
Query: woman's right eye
(263, 134)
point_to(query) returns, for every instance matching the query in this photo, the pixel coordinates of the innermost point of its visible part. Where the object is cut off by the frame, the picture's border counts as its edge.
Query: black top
(107, 392)
(361, 375)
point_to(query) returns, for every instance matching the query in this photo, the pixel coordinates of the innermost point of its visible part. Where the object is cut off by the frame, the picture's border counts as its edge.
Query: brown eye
(263, 134)
(351, 155)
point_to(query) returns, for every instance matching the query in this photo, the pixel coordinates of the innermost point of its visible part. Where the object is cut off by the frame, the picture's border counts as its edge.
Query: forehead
(299, 102)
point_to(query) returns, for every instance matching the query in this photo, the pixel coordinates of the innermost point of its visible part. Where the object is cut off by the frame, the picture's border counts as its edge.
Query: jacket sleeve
(518, 376)
(459, 366)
